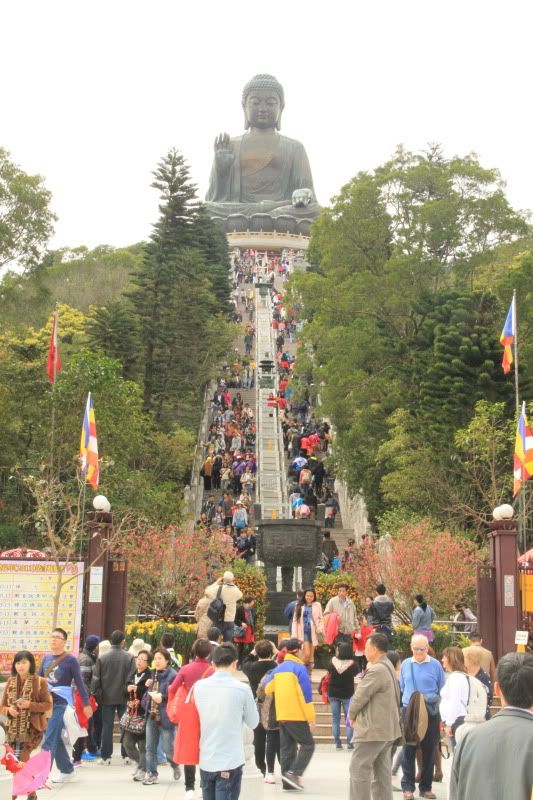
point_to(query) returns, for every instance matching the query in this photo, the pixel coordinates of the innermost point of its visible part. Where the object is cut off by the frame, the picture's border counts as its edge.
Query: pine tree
(181, 298)
(156, 280)
(114, 330)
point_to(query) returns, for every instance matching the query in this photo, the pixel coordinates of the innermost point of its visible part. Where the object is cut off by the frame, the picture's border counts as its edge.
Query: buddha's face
(262, 109)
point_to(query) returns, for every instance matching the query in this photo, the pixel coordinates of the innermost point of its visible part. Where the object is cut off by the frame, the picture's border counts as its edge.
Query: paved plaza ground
(327, 776)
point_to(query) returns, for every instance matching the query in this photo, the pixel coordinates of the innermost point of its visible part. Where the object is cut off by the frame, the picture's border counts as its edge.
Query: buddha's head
(263, 101)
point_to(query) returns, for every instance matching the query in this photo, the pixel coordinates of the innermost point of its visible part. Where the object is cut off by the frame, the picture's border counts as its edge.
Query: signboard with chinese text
(27, 590)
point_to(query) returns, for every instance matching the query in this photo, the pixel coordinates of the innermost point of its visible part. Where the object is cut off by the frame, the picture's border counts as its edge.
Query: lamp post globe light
(503, 512)
(101, 503)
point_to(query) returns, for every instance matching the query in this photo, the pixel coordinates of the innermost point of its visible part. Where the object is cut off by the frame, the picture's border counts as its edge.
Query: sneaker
(338, 746)
(62, 777)
(292, 779)
(105, 761)
(269, 778)
(88, 757)
(189, 794)
(176, 771)
(350, 745)
(429, 795)
(150, 779)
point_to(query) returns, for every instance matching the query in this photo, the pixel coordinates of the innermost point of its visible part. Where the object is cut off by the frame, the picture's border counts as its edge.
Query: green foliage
(26, 222)
(179, 299)
(326, 585)
(79, 278)
(443, 637)
(399, 342)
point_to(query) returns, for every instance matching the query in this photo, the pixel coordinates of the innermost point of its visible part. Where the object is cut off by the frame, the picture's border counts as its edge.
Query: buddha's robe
(264, 174)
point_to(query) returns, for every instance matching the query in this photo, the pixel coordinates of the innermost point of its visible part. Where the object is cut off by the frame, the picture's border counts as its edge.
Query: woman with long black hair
(308, 625)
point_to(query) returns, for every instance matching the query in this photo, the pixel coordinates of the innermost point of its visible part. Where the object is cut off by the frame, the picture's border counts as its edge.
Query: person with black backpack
(224, 596)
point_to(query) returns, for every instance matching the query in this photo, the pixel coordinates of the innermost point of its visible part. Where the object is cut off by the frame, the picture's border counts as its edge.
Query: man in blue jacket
(423, 674)
(61, 669)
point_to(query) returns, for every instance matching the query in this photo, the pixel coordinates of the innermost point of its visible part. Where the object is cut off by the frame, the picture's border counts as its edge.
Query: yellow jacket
(293, 694)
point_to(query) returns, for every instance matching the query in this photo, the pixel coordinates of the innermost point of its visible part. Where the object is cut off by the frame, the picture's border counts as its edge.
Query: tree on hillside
(26, 222)
(391, 319)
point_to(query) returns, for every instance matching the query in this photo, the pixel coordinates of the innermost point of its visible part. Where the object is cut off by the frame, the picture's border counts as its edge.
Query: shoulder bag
(416, 715)
(131, 721)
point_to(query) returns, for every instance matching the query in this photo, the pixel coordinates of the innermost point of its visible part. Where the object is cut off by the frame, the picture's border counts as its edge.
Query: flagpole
(82, 516)
(53, 421)
(522, 523)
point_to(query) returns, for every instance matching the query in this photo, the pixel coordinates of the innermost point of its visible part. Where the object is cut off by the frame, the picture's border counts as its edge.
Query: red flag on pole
(53, 365)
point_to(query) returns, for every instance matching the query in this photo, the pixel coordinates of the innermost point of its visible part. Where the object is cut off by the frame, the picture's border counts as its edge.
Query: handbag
(130, 721)
(323, 688)
(416, 716)
(175, 706)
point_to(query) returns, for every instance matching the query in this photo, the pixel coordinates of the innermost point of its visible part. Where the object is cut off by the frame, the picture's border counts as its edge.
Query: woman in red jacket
(188, 675)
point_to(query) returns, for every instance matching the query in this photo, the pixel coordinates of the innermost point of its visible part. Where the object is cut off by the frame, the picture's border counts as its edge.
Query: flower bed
(151, 632)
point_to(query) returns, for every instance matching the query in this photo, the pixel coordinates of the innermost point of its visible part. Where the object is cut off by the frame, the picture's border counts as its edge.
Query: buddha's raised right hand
(224, 155)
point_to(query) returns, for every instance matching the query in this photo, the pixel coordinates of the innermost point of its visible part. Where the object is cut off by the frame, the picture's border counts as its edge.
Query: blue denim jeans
(53, 741)
(154, 733)
(221, 785)
(336, 704)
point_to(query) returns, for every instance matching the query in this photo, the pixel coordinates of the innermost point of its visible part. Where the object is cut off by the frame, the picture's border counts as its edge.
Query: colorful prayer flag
(523, 452)
(89, 446)
(508, 336)
(53, 365)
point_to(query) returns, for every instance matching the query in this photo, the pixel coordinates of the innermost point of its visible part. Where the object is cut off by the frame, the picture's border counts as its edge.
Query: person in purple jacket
(61, 669)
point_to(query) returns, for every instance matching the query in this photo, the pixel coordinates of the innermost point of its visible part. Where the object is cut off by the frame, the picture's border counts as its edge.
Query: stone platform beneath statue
(267, 240)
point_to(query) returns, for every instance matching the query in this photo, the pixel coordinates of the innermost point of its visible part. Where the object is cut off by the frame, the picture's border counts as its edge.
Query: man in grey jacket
(113, 672)
(375, 715)
(495, 759)
(345, 608)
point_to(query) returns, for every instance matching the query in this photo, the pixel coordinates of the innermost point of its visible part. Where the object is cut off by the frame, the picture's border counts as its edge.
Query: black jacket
(341, 683)
(112, 673)
(256, 670)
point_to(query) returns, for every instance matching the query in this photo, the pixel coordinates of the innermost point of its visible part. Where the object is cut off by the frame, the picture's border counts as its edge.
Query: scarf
(18, 727)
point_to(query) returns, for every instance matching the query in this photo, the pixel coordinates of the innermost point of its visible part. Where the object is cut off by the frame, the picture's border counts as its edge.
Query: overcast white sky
(94, 93)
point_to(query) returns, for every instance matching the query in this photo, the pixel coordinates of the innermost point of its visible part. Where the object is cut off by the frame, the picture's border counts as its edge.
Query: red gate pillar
(105, 584)
(503, 537)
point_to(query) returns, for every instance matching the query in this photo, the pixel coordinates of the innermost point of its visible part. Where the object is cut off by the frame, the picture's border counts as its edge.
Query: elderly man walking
(424, 674)
(375, 716)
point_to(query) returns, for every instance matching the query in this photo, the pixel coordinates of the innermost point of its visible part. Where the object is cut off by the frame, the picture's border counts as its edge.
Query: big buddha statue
(262, 180)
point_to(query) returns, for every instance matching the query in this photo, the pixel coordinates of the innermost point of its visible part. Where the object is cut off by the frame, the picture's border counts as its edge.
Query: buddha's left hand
(301, 197)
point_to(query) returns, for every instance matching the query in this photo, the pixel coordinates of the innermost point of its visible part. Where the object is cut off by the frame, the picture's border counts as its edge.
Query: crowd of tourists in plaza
(399, 713)
(241, 697)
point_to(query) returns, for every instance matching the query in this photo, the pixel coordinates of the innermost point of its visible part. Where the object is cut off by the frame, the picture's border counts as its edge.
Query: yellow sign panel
(27, 590)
